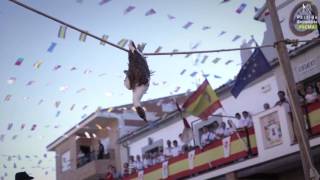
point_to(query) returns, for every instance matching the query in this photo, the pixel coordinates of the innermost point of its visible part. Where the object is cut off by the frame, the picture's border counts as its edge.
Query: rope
(294, 42)
(67, 24)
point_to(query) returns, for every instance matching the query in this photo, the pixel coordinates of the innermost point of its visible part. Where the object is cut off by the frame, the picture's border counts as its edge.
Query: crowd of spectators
(215, 131)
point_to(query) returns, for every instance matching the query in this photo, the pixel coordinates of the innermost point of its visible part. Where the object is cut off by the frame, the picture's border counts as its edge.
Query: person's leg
(138, 92)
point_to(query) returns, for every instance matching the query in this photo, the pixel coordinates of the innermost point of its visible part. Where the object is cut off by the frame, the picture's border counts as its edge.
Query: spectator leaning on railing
(206, 136)
(311, 95)
(168, 150)
(176, 148)
(139, 163)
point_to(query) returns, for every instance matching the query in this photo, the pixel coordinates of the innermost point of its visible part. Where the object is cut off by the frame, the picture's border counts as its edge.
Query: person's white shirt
(206, 138)
(249, 122)
(229, 131)
(168, 151)
(176, 151)
(310, 98)
(219, 132)
(139, 165)
(147, 162)
(161, 158)
(242, 123)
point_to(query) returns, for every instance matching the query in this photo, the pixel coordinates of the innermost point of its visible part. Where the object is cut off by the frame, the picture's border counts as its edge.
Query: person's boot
(141, 113)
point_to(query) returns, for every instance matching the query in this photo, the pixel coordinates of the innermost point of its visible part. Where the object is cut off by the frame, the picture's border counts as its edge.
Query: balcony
(270, 139)
(91, 168)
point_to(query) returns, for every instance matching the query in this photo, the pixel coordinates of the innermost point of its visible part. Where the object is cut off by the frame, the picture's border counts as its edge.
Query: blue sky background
(28, 35)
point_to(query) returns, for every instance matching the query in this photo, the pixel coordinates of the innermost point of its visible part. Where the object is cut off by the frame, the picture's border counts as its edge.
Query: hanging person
(137, 77)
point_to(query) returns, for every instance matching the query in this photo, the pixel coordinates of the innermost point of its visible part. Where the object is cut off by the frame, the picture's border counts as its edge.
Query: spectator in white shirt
(283, 102)
(311, 95)
(132, 165)
(139, 163)
(161, 157)
(168, 150)
(219, 132)
(247, 119)
(146, 160)
(206, 136)
(176, 150)
(231, 129)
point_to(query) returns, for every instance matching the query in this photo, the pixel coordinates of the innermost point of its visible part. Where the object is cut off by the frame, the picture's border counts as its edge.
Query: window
(65, 161)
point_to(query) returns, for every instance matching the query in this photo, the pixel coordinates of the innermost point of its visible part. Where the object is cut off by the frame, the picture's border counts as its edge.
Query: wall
(69, 144)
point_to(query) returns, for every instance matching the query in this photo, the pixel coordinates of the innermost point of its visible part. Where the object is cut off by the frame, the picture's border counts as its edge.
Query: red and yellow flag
(203, 102)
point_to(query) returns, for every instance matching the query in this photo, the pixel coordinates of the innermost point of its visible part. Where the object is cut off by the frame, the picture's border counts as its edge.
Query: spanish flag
(203, 102)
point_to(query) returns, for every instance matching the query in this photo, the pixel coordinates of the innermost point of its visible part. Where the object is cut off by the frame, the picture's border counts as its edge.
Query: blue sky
(28, 35)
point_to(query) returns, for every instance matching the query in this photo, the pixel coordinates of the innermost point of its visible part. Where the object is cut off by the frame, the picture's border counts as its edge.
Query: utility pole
(310, 173)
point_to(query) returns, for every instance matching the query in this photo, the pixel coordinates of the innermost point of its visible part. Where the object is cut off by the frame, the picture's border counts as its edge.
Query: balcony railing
(207, 158)
(243, 146)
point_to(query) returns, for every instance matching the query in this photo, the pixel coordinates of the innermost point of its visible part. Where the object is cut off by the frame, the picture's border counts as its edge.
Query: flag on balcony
(203, 102)
(256, 66)
(226, 146)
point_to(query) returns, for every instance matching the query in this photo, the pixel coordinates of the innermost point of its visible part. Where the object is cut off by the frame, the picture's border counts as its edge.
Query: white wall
(253, 98)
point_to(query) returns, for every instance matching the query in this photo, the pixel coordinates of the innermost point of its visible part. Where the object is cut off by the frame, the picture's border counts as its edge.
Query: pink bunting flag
(186, 26)
(129, 9)
(150, 12)
(171, 17)
(34, 126)
(102, 2)
(10, 125)
(8, 97)
(241, 8)
(19, 61)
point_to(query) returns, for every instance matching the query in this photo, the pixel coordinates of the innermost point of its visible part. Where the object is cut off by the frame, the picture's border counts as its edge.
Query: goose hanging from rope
(137, 77)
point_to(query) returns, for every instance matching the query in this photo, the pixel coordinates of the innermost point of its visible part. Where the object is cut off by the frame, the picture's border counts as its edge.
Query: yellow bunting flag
(83, 36)
(122, 42)
(62, 31)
